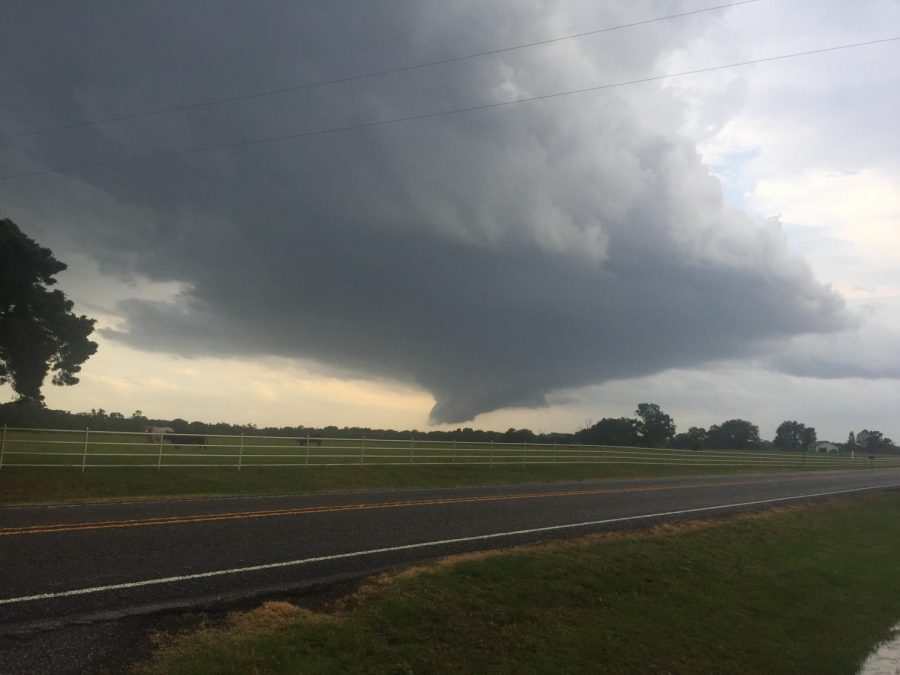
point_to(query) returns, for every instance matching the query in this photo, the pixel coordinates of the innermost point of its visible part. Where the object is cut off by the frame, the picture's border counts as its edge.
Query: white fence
(88, 449)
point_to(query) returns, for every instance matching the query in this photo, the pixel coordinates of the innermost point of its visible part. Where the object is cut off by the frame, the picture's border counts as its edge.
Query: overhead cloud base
(491, 257)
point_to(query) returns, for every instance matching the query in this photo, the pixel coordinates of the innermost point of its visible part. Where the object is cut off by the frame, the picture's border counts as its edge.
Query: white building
(825, 446)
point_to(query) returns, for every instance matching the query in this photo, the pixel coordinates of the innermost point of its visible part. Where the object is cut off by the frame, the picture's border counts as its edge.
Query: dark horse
(178, 439)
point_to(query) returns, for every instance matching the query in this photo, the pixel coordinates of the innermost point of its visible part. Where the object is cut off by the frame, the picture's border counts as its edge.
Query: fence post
(162, 435)
(362, 455)
(2, 446)
(412, 449)
(241, 452)
(492, 452)
(84, 452)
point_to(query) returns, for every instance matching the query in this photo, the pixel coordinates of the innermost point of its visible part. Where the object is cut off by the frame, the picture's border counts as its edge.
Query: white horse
(155, 434)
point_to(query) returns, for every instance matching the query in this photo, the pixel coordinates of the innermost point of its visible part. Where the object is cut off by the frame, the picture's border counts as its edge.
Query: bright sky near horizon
(724, 244)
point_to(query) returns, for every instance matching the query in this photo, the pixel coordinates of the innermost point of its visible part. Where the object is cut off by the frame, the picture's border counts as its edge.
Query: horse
(156, 434)
(181, 439)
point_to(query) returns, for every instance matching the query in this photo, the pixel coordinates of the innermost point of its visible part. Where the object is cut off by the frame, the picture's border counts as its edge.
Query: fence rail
(90, 449)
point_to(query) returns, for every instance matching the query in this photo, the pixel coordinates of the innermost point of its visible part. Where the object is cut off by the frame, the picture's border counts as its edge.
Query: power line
(363, 76)
(442, 113)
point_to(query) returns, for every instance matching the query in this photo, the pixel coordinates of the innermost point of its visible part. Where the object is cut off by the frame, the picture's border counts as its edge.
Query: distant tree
(611, 431)
(851, 442)
(873, 441)
(734, 434)
(792, 435)
(519, 436)
(38, 331)
(693, 439)
(808, 438)
(655, 427)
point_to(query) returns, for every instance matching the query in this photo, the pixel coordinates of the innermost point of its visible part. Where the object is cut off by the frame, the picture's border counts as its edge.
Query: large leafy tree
(867, 440)
(656, 427)
(792, 435)
(692, 439)
(734, 434)
(519, 436)
(38, 331)
(611, 431)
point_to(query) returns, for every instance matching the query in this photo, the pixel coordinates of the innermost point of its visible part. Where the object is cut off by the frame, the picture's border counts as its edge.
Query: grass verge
(808, 589)
(56, 485)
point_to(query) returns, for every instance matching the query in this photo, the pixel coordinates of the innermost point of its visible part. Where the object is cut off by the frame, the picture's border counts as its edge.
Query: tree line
(650, 427)
(35, 415)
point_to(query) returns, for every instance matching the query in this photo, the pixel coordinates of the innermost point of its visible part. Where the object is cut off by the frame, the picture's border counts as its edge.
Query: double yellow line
(243, 515)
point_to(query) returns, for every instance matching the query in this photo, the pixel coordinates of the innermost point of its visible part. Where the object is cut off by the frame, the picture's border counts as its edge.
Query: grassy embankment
(804, 590)
(360, 465)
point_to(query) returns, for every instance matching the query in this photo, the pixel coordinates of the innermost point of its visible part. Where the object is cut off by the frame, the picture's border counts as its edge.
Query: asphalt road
(61, 565)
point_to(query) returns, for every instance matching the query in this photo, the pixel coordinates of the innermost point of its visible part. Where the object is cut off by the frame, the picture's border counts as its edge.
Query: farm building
(825, 446)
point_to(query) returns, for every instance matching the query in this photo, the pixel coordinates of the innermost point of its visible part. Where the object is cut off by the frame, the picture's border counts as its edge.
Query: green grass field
(809, 589)
(59, 466)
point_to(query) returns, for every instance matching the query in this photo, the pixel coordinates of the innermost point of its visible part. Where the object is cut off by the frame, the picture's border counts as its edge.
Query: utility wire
(364, 76)
(442, 113)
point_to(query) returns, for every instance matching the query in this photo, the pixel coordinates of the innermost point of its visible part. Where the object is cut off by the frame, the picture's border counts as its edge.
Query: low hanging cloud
(490, 257)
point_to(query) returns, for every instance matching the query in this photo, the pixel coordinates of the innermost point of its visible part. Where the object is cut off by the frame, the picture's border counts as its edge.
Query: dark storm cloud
(490, 257)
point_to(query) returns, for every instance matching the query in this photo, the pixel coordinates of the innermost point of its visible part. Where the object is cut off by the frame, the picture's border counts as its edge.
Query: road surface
(66, 564)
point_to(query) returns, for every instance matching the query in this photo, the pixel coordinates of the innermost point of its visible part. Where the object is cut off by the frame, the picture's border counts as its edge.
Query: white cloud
(862, 209)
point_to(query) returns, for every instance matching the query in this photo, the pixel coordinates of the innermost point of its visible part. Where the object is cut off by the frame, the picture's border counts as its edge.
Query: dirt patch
(273, 615)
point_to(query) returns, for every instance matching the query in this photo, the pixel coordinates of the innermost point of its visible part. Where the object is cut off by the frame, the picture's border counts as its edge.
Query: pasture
(41, 466)
(86, 450)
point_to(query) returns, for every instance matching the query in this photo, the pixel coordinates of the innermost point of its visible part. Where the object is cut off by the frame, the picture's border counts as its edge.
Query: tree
(38, 331)
(655, 427)
(873, 441)
(611, 431)
(808, 437)
(851, 442)
(792, 435)
(519, 436)
(693, 439)
(734, 434)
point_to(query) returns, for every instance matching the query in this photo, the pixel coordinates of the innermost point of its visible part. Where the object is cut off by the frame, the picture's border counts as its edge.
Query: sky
(724, 244)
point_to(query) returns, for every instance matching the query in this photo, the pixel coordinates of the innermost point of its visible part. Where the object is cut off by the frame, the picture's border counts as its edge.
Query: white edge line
(424, 544)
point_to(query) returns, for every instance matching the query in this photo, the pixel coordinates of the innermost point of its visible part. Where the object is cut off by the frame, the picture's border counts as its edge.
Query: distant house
(825, 446)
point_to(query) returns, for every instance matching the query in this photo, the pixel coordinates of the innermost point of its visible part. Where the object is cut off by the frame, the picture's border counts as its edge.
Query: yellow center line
(242, 515)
